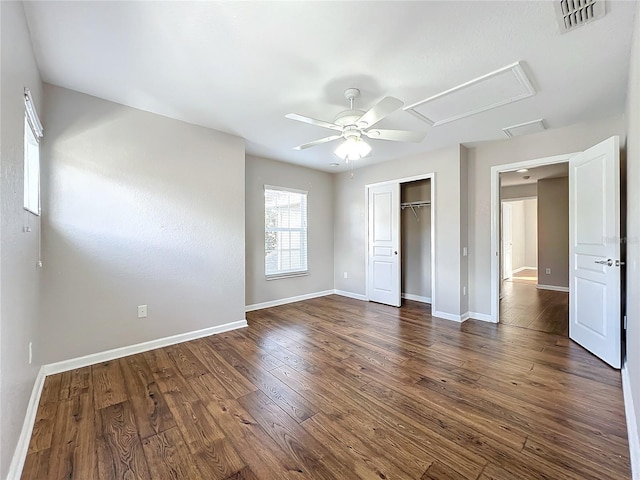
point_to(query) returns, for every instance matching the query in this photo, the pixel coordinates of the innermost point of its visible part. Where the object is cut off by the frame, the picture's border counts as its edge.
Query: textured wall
(261, 172)
(633, 223)
(553, 231)
(139, 209)
(349, 218)
(19, 276)
(544, 144)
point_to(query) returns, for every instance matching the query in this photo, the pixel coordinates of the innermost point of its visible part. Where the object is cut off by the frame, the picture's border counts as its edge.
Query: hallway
(523, 305)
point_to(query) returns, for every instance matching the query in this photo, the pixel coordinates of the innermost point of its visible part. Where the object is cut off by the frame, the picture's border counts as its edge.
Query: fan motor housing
(348, 117)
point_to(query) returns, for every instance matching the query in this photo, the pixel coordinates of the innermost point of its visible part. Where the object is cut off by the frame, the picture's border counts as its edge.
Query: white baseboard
(451, 316)
(555, 288)
(79, 362)
(20, 453)
(356, 296)
(632, 424)
(284, 301)
(416, 298)
(481, 316)
(518, 270)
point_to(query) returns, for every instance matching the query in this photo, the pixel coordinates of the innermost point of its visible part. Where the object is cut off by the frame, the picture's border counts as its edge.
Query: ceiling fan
(353, 124)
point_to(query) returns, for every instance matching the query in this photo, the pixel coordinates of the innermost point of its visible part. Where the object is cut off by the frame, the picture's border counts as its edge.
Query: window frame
(33, 132)
(304, 231)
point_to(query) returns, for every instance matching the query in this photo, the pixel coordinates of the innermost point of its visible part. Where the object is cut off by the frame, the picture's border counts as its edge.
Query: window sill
(286, 275)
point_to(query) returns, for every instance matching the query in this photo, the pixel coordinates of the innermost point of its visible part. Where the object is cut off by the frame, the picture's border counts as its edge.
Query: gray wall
(416, 240)
(553, 231)
(349, 218)
(138, 209)
(260, 171)
(464, 230)
(531, 232)
(633, 222)
(482, 157)
(19, 277)
(518, 191)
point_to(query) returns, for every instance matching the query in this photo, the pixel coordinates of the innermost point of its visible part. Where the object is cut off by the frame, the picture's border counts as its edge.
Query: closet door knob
(395, 252)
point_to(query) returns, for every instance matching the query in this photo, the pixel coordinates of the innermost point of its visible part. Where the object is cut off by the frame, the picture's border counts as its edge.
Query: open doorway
(415, 237)
(534, 248)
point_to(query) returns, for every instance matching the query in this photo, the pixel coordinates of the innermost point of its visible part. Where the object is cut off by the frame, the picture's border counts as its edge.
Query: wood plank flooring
(334, 388)
(523, 305)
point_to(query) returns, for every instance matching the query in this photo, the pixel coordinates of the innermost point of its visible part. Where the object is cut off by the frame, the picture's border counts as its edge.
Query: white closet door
(384, 244)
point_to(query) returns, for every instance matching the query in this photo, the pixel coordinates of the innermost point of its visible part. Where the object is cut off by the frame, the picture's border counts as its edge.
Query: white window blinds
(32, 136)
(285, 233)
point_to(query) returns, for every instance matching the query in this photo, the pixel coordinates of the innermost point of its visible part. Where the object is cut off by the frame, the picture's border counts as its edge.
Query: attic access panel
(506, 85)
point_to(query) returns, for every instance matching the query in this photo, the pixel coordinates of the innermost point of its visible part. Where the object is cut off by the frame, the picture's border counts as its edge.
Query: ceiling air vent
(575, 13)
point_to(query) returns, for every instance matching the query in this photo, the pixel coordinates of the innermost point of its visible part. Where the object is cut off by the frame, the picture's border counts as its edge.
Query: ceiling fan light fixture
(353, 148)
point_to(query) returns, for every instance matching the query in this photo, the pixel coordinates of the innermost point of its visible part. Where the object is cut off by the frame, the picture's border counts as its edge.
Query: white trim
(22, 448)
(495, 220)
(484, 317)
(430, 176)
(284, 301)
(451, 316)
(555, 288)
(632, 424)
(285, 189)
(416, 298)
(355, 296)
(518, 270)
(91, 359)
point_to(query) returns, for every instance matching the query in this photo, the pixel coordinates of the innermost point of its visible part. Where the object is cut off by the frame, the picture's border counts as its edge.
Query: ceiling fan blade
(396, 135)
(313, 121)
(380, 110)
(318, 142)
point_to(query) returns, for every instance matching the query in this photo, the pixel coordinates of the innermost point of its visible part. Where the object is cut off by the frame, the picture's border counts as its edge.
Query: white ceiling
(239, 67)
(508, 179)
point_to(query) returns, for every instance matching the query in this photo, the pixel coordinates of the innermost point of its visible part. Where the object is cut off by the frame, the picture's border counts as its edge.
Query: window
(285, 232)
(32, 136)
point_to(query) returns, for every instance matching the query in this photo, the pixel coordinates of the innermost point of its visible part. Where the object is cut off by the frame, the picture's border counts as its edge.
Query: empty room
(320, 240)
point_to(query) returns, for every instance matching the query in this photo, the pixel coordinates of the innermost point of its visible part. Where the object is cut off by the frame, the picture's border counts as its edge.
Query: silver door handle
(607, 262)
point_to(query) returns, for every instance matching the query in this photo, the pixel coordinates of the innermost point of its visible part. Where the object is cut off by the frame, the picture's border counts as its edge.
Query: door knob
(395, 252)
(607, 262)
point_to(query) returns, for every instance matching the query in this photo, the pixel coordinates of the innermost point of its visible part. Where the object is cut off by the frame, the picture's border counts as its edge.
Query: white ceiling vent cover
(524, 128)
(505, 85)
(575, 13)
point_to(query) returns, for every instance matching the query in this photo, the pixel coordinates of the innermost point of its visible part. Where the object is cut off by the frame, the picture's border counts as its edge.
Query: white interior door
(507, 241)
(594, 250)
(384, 244)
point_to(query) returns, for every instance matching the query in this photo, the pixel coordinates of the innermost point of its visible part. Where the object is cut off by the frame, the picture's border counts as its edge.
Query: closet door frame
(399, 181)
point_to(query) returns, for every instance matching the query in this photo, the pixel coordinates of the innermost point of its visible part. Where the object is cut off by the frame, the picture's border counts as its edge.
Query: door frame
(426, 176)
(495, 219)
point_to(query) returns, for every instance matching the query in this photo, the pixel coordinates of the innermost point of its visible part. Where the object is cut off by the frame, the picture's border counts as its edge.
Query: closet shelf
(413, 206)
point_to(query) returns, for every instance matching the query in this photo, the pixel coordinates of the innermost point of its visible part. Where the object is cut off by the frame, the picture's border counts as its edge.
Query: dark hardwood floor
(523, 305)
(334, 388)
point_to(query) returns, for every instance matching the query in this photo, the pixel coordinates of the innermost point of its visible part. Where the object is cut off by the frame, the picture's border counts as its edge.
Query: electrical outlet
(30, 352)
(547, 271)
(142, 311)
(345, 275)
